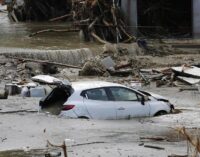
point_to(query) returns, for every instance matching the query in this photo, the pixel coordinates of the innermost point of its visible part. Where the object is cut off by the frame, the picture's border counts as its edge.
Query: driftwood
(89, 143)
(98, 38)
(153, 138)
(54, 30)
(174, 155)
(45, 61)
(154, 147)
(195, 142)
(60, 17)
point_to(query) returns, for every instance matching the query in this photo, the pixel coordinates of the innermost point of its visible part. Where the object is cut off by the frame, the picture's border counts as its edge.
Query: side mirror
(144, 98)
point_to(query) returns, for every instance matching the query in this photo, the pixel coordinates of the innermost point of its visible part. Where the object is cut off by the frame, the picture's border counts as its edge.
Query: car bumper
(68, 114)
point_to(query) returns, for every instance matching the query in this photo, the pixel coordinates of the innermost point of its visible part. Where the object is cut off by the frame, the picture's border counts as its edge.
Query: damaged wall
(129, 9)
(158, 18)
(196, 18)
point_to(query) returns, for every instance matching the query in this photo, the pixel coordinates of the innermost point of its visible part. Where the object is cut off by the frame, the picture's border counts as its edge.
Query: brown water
(17, 35)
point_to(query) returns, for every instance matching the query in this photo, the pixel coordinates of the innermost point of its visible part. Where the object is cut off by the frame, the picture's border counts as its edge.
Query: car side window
(123, 94)
(96, 94)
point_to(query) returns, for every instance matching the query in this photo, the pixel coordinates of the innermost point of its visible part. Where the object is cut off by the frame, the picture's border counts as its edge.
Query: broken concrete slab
(187, 71)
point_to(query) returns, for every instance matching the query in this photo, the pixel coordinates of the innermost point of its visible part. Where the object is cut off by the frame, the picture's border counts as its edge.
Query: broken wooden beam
(45, 61)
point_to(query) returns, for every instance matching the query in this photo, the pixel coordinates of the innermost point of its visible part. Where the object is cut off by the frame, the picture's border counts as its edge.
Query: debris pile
(40, 10)
(117, 60)
(181, 76)
(17, 76)
(100, 20)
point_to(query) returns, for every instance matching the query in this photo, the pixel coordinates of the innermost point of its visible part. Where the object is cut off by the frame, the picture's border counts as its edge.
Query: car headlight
(171, 106)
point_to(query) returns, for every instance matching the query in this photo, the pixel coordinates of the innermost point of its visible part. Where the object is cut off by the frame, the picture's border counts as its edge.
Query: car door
(128, 103)
(98, 104)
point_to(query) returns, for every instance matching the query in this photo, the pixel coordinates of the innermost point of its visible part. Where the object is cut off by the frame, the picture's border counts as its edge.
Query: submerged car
(104, 100)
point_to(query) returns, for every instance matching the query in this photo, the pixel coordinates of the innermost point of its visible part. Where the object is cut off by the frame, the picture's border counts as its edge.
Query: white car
(104, 100)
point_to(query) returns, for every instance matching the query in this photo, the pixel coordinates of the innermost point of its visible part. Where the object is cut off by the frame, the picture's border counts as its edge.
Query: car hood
(154, 96)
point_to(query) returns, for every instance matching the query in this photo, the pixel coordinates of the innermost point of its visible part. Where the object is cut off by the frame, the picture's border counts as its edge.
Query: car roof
(84, 85)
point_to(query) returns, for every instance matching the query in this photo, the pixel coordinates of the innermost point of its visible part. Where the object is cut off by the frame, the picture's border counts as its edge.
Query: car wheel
(83, 117)
(159, 113)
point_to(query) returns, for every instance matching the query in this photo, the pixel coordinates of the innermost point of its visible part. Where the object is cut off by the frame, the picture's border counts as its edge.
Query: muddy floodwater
(17, 35)
(24, 131)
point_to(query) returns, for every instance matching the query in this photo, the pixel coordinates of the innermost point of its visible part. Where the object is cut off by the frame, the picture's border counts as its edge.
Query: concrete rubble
(116, 60)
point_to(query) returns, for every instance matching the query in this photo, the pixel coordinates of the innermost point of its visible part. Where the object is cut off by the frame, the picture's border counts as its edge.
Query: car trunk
(53, 103)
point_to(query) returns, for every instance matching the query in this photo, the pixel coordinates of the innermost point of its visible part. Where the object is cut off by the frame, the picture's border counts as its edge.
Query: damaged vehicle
(103, 100)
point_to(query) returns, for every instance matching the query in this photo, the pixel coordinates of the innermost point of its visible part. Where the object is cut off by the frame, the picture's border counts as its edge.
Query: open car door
(53, 103)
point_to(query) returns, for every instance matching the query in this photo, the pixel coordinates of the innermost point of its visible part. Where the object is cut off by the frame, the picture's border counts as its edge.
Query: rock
(12, 89)
(53, 154)
(3, 94)
(49, 68)
(108, 62)
(92, 68)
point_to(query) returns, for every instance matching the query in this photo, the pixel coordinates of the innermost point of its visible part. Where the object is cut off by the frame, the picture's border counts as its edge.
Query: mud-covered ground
(26, 129)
